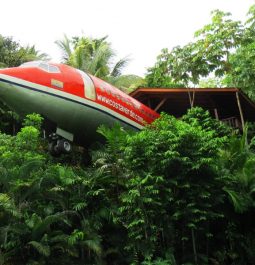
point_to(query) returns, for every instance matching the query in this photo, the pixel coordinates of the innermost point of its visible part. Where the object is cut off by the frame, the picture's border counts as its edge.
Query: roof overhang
(174, 99)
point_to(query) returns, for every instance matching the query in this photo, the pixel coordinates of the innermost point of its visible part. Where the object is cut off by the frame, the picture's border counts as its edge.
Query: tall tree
(208, 53)
(242, 63)
(13, 54)
(158, 75)
(92, 55)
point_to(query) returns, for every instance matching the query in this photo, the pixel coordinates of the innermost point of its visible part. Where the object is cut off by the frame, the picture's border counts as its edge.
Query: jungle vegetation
(178, 192)
(181, 191)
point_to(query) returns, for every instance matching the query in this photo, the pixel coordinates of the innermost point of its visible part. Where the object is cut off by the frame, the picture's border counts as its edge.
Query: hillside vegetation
(178, 192)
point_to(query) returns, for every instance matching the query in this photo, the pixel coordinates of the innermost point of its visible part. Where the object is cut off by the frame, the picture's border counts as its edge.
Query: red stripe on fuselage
(107, 95)
(118, 101)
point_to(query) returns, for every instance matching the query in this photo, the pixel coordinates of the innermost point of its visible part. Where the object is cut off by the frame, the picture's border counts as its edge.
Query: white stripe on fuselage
(66, 95)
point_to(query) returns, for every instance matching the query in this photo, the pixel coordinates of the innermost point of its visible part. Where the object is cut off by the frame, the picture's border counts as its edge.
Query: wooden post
(191, 99)
(216, 114)
(160, 104)
(240, 109)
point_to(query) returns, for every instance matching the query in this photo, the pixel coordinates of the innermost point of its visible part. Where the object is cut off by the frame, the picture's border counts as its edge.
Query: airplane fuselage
(74, 101)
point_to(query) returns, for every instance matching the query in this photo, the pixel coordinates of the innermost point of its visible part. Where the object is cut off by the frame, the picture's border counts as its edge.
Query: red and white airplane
(72, 102)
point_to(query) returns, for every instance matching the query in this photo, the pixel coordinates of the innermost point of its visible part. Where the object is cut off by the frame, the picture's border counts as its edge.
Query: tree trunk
(240, 109)
(194, 245)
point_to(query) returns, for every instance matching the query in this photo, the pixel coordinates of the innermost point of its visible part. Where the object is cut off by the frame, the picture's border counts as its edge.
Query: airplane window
(54, 69)
(42, 65)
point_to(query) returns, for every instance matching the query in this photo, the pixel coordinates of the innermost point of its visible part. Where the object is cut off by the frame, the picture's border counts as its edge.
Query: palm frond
(7, 204)
(29, 53)
(99, 63)
(238, 201)
(118, 67)
(76, 59)
(94, 245)
(40, 248)
(66, 47)
(40, 227)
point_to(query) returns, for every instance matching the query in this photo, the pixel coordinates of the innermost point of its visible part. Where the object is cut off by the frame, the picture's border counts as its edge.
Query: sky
(136, 28)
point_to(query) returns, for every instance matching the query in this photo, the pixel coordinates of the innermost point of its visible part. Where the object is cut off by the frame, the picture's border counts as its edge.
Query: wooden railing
(233, 122)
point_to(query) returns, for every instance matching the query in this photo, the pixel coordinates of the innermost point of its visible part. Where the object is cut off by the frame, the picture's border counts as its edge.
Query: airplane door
(89, 87)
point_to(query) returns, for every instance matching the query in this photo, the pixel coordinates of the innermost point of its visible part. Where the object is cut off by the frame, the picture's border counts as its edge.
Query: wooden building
(227, 104)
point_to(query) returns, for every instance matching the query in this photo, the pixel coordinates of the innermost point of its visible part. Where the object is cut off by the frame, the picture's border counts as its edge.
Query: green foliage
(198, 117)
(36, 211)
(9, 52)
(181, 191)
(175, 171)
(158, 76)
(13, 54)
(169, 162)
(178, 192)
(242, 74)
(239, 160)
(91, 55)
(222, 49)
(34, 120)
(210, 82)
(127, 83)
(216, 41)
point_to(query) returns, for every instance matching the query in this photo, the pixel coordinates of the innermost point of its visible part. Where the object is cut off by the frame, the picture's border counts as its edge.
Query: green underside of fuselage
(75, 117)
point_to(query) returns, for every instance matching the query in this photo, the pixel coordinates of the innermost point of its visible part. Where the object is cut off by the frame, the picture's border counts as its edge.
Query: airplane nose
(2, 70)
(15, 73)
(4, 80)
(7, 71)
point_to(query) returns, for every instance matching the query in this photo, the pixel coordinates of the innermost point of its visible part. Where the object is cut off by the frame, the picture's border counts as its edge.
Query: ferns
(30, 166)
(82, 238)
(79, 206)
(7, 205)
(42, 249)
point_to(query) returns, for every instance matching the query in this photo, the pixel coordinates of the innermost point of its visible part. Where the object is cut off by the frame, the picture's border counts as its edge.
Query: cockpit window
(43, 66)
(54, 69)
(30, 64)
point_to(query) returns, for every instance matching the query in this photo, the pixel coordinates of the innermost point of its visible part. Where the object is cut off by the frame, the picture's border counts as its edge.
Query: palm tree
(29, 53)
(91, 55)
